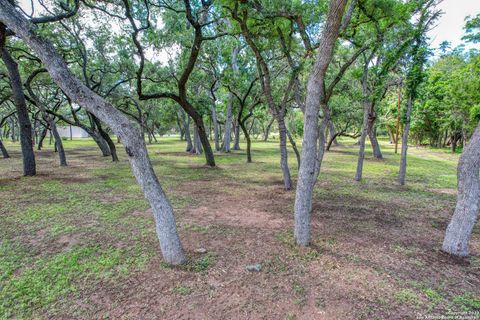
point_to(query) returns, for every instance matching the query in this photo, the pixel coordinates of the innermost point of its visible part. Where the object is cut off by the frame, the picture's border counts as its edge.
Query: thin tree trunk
(42, 138)
(316, 97)
(50, 120)
(282, 131)
(460, 228)
(267, 130)
(236, 139)
(294, 147)
(331, 133)
(228, 119)
(4, 150)
(120, 124)
(403, 160)
(249, 141)
(25, 126)
(372, 135)
(106, 137)
(361, 141)
(186, 126)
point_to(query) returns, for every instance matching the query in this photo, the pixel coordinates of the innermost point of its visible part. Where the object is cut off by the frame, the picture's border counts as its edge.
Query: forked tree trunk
(460, 227)
(403, 160)
(25, 126)
(50, 120)
(116, 120)
(315, 97)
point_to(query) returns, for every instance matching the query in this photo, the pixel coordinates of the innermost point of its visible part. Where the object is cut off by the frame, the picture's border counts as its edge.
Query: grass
(71, 231)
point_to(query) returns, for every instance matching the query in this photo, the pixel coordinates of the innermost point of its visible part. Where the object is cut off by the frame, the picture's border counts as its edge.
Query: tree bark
(315, 98)
(236, 137)
(460, 228)
(372, 135)
(361, 141)
(25, 126)
(50, 120)
(42, 138)
(249, 141)
(120, 124)
(4, 150)
(331, 133)
(267, 130)
(403, 160)
(186, 126)
(228, 119)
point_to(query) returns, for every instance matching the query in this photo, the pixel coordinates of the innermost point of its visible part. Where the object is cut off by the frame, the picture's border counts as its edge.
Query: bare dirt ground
(375, 251)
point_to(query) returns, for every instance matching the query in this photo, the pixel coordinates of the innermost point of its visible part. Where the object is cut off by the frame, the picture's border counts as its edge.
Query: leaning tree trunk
(294, 147)
(315, 98)
(267, 130)
(403, 160)
(332, 133)
(460, 227)
(372, 134)
(4, 150)
(120, 124)
(42, 138)
(51, 123)
(106, 137)
(25, 126)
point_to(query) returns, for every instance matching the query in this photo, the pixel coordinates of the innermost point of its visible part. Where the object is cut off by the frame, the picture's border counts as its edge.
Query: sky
(449, 27)
(450, 24)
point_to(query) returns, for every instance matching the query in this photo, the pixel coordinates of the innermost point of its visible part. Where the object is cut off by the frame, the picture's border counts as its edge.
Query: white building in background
(72, 131)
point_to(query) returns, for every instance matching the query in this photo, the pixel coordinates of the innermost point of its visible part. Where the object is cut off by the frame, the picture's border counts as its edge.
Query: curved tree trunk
(106, 137)
(460, 227)
(116, 120)
(25, 126)
(294, 147)
(331, 133)
(42, 138)
(316, 97)
(58, 143)
(249, 141)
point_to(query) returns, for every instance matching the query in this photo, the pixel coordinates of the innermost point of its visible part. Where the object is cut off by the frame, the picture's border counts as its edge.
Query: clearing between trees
(80, 242)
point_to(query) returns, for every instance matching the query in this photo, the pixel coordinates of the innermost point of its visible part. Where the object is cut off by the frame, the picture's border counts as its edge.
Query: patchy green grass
(70, 232)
